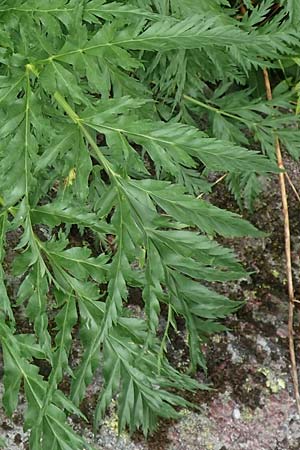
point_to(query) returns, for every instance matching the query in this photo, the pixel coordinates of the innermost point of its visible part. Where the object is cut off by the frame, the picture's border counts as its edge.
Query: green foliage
(98, 108)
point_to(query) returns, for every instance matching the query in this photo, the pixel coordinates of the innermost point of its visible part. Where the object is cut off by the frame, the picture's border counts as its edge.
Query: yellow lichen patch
(247, 414)
(210, 446)
(248, 385)
(275, 273)
(216, 339)
(275, 384)
(185, 412)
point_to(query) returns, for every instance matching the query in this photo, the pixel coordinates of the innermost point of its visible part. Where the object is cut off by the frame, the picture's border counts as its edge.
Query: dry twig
(287, 237)
(292, 186)
(214, 184)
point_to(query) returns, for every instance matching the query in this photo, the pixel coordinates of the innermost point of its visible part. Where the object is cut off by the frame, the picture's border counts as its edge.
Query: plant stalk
(287, 237)
(215, 110)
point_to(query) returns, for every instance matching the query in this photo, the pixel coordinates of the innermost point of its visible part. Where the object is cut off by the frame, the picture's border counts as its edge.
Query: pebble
(282, 332)
(262, 342)
(236, 413)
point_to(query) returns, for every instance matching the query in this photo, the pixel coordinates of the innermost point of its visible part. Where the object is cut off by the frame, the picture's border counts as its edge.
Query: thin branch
(287, 237)
(215, 183)
(292, 186)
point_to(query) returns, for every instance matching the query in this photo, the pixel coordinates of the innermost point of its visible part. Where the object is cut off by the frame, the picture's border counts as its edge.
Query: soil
(252, 405)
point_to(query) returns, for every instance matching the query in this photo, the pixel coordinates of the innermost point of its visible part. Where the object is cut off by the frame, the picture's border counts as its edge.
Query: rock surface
(252, 406)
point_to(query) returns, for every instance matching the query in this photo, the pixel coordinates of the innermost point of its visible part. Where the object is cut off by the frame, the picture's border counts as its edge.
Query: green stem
(284, 73)
(215, 110)
(78, 121)
(164, 339)
(27, 133)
